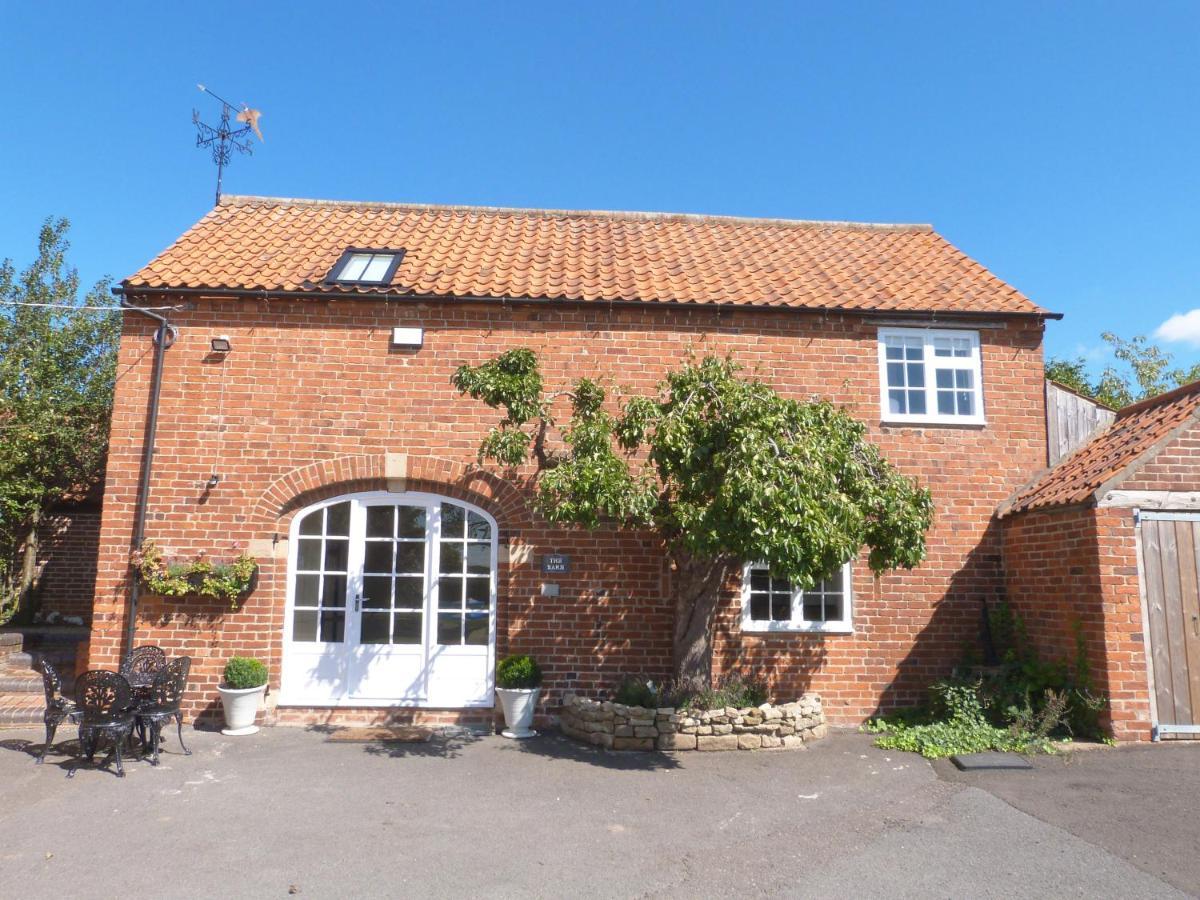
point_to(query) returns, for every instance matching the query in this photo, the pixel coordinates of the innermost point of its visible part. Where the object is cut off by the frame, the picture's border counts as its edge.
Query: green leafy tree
(722, 468)
(1144, 370)
(57, 366)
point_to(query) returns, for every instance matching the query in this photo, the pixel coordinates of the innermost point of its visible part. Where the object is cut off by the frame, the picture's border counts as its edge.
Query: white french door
(391, 601)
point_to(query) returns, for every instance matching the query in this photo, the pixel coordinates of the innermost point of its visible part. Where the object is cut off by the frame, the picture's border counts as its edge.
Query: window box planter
(228, 582)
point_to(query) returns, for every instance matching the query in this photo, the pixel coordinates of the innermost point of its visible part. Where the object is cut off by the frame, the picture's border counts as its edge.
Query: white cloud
(1183, 328)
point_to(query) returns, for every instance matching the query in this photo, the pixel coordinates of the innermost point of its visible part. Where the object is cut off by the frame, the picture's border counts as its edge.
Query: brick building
(394, 570)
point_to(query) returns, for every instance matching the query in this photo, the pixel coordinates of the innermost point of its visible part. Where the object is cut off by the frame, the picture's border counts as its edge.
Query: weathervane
(224, 138)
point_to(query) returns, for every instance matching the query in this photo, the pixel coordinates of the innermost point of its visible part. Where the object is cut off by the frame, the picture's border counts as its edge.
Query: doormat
(400, 734)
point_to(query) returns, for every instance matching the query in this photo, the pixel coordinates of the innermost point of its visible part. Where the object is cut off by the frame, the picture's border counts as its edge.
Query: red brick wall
(1076, 568)
(314, 396)
(68, 541)
(1174, 468)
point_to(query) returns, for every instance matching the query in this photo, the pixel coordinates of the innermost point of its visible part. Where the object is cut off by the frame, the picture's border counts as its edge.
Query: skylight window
(366, 266)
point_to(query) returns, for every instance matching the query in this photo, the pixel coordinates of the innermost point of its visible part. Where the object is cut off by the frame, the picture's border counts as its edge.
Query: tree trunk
(28, 583)
(696, 585)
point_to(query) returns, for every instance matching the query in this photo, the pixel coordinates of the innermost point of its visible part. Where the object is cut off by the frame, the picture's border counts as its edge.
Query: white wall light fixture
(408, 338)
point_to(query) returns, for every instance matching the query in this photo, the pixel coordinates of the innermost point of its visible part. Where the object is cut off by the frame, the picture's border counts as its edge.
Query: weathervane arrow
(225, 138)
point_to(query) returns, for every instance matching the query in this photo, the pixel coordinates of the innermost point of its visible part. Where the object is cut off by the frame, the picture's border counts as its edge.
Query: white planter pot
(241, 706)
(518, 705)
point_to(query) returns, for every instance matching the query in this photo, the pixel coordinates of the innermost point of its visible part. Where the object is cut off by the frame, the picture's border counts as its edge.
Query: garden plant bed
(615, 726)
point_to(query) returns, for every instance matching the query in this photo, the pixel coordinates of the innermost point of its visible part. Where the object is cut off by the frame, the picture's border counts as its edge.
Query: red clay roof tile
(257, 243)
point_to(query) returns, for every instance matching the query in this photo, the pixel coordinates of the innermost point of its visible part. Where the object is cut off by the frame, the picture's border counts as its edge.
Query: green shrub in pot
(518, 672)
(243, 672)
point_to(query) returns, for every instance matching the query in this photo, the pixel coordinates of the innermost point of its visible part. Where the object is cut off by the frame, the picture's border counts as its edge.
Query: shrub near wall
(615, 726)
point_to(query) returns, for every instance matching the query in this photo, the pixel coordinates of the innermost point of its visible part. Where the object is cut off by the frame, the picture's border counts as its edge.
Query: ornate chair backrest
(52, 684)
(143, 663)
(169, 685)
(103, 696)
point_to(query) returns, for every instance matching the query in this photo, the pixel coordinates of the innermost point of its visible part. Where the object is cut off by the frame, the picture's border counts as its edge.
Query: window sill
(789, 628)
(925, 421)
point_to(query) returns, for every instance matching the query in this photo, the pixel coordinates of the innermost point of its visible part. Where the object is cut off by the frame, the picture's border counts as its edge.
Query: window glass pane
(338, 522)
(476, 629)
(897, 402)
(450, 593)
(337, 554)
(781, 607)
(914, 348)
(449, 627)
(479, 559)
(895, 374)
(945, 401)
(333, 626)
(307, 590)
(354, 267)
(304, 625)
(945, 378)
(412, 522)
(379, 521)
(409, 593)
(943, 347)
(335, 591)
(963, 379)
(916, 402)
(893, 349)
(375, 628)
(916, 375)
(833, 582)
(479, 593)
(478, 528)
(377, 592)
(378, 557)
(308, 558)
(966, 404)
(410, 557)
(452, 558)
(813, 608)
(454, 521)
(406, 628)
(311, 524)
(377, 267)
(962, 347)
(759, 580)
(833, 608)
(760, 607)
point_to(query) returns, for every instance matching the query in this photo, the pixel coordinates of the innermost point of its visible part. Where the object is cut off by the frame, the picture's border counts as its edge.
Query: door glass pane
(412, 522)
(449, 627)
(338, 522)
(311, 524)
(375, 628)
(333, 626)
(378, 557)
(450, 593)
(452, 558)
(335, 591)
(304, 625)
(379, 521)
(308, 558)
(307, 590)
(478, 528)
(479, 559)
(377, 592)
(454, 521)
(476, 629)
(406, 628)
(337, 555)
(410, 557)
(410, 593)
(479, 593)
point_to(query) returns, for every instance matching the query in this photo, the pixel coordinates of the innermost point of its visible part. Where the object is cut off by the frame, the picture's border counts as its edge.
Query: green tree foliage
(56, 378)
(720, 466)
(1143, 370)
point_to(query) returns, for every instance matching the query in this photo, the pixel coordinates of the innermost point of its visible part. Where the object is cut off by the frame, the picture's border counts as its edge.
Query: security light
(221, 344)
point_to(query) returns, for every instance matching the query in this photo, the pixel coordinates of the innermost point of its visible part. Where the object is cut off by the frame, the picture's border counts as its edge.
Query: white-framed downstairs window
(930, 375)
(770, 603)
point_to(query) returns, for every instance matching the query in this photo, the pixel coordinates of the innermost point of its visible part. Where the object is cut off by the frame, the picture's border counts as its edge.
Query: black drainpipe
(162, 340)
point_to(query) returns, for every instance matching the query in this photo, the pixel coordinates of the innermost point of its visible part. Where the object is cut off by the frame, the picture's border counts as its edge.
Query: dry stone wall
(615, 726)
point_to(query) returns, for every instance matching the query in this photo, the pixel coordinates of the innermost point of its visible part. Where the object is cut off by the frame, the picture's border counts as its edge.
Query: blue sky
(1057, 143)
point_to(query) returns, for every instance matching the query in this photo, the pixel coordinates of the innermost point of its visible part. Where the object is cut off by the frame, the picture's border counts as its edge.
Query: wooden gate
(1171, 563)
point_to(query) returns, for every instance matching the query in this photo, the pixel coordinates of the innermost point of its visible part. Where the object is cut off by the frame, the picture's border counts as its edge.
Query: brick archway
(394, 471)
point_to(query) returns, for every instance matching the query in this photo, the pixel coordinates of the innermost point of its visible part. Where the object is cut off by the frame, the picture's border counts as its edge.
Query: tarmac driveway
(285, 811)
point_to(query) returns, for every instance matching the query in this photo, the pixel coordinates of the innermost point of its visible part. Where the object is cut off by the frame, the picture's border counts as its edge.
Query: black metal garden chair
(160, 703)
(142, 664)
(58, 707)
(105, 706)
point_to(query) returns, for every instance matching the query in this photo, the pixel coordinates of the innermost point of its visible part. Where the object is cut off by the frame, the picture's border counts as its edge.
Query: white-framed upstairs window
(770, 603)
(930, 375)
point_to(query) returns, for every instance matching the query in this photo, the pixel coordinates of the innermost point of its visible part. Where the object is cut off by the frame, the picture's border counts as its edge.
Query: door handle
(1196, 625)
(358, 603)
